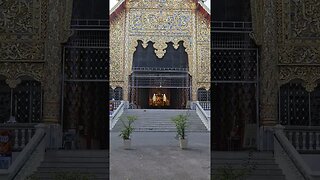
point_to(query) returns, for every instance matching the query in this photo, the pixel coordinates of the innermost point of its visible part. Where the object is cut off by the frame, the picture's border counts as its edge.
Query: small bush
(127, 127)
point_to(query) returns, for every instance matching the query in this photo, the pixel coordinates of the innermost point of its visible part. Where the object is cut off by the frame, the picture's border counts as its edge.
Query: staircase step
(260, 165)
(73, 169)
(260, 172)
(75, 160)
(59, 162)
(160, 120)
(51, 176)
(74, 165)
(240, 166)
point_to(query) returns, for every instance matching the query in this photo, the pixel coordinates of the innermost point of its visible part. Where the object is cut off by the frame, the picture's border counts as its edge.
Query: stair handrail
(114, 117)
(289, 159)
(202, 115)
(37, 144)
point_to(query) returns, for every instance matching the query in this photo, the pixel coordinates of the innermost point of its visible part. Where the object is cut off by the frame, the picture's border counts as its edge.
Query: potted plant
(181, 123)
(127, 131)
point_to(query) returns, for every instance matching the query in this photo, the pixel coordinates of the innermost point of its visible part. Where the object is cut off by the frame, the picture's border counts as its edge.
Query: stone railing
(114, 117)
(29, 158)
(206, 105)
(202, 115)
(21, 132)
(289, 160)
(116, 104)
(305, 139)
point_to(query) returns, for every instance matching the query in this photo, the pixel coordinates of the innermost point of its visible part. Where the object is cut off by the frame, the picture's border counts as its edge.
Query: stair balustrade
(287, 156)
(20, 132)
(30, 156)
(202, 115)
(206, 105)
(116, 104)
(305, 139)
(114, 117)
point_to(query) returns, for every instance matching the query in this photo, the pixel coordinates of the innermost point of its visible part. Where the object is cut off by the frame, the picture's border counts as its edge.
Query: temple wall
(288, 34)
(160, 22)
(31, 33)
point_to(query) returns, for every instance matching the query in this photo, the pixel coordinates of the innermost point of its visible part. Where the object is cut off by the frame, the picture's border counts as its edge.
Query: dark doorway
(160, 83)
(85, 108)
(86, 111)
(85, 96)
(235, 76)
(235, 114)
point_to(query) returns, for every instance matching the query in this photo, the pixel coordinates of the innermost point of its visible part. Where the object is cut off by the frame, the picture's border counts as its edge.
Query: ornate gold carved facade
(288, 32)
(160, 22)
(31, 33)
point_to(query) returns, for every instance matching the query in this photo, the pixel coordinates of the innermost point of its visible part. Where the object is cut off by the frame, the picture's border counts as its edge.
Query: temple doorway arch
(160, 83)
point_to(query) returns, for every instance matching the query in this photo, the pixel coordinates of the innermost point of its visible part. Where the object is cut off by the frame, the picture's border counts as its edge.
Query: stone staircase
(93, 163)
(160, 120)
(260, 165)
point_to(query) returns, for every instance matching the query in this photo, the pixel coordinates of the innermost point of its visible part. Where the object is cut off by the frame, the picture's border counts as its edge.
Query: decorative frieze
(22, 51)
(163, 4)
(16, 70)
(160, 22)
(302, 55)
(309, 74)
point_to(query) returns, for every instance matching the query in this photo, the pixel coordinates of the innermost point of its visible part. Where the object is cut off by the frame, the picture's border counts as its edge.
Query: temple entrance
(235, 89)
(85, 96)
(160, 83)
(161, 98)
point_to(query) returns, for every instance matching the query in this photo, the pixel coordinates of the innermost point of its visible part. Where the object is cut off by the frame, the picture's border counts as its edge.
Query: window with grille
(203, 94)
(298, 106)
(111, 93)
(24, 102)
(5, 99)
(117, 95)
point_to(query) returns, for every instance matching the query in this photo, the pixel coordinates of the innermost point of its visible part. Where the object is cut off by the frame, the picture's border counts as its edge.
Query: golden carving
(160, 47)
(160, 22)
(203, 29)
(22, 30)
(27, 51)
(299, 54)
(308, 74)
(13, 82)
(203, 64)
(14, 71)
(117, 45)
(16, 16)
(161, 4)
(305, 18)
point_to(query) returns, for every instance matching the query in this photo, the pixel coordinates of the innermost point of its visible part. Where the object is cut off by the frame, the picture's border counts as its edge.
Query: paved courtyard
(157, 156)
